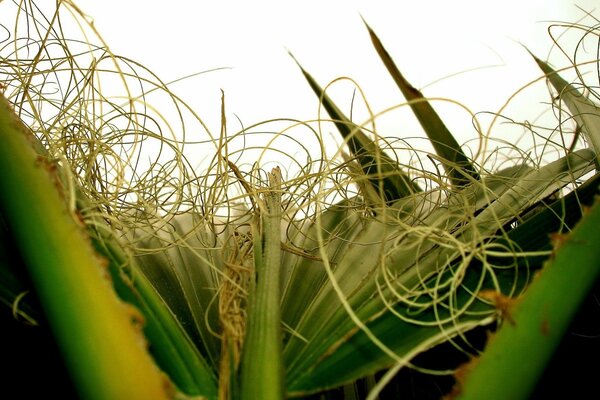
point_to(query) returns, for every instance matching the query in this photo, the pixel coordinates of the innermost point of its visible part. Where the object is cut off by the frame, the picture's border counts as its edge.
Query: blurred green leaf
(87, 318)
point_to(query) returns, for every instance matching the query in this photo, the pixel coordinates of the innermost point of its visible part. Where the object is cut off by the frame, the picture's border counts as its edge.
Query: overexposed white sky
(466, 50)
(428, 39)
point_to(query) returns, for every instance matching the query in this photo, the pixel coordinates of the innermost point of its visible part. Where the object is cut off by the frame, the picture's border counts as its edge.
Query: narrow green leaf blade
(383, 172)
(585, 112)
(458, 166)
(261, 369)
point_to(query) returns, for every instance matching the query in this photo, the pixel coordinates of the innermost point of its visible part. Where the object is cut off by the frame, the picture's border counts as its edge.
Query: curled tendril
(153, 170)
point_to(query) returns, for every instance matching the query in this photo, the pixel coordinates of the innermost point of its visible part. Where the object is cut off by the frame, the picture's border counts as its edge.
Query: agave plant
(246, 277)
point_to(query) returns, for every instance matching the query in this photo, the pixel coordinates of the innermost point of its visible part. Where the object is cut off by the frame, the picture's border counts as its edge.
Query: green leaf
(339, 224)
(85, 315)
(539, 318)
(527, 191)
(179, 260)
(355, 355)
(383, 172)
(458, 167)
(415, 260)
(261, 369)
(585, 112)
(173, 350)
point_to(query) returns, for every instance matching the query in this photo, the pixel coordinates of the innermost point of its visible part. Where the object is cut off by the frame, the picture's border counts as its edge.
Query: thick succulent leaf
(473, 198)
(384, 173)
(526, 192)
(87, 318)
(540, 318)
(359, 255)
(458, 166)
(171, 347)
(585, 112)
(560, 215)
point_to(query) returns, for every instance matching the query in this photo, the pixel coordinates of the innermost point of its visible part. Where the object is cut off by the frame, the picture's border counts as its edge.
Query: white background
(470, 51)
(429, 40)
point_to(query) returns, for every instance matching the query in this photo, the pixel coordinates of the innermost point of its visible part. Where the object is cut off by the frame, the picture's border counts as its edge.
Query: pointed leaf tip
(585, 112)
(383, 172)
(458, 166)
